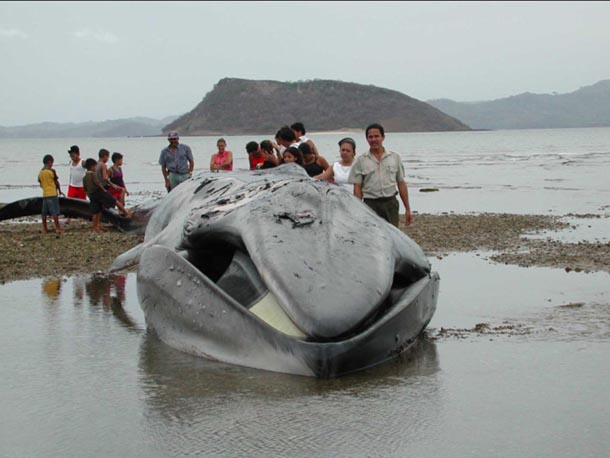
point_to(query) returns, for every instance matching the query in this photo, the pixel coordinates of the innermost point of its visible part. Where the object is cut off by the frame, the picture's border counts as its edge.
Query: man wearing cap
(378, 176)
(176, 162)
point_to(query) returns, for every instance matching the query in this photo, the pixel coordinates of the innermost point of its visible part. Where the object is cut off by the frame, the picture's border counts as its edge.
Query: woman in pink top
(223, 159)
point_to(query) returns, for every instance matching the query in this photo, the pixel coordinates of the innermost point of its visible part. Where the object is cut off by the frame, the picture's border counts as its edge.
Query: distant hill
(240, 106)
(129, 127)
(587, 107)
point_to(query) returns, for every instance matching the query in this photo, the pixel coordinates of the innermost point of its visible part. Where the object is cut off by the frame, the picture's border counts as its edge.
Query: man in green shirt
(378, 176)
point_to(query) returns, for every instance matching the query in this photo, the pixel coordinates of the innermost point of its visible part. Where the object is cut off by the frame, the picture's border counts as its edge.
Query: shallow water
(82, 377)
(581, 229)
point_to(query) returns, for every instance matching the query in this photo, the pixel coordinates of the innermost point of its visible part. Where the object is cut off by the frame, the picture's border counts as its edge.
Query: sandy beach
(28, 253)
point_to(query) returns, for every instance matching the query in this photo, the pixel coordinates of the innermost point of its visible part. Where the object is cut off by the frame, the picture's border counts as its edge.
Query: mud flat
(509, 237)
(27, 252)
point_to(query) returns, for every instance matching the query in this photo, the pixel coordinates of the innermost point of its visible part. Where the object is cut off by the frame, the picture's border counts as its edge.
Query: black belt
(178, 173)
(382, 199)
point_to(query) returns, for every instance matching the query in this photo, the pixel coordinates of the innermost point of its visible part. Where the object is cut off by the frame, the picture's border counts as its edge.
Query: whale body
(274, 270)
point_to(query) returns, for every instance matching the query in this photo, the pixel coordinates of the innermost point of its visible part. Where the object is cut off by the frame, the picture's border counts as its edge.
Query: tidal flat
(511, 239)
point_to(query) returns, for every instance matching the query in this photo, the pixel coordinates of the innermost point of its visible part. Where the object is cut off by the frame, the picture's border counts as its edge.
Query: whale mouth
(225, 261)
(230, 268)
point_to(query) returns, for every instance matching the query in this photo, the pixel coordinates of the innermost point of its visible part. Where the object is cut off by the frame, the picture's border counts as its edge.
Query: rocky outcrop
(240, 106)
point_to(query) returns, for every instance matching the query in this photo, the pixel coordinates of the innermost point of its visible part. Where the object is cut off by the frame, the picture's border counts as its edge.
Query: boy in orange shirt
(49, 182)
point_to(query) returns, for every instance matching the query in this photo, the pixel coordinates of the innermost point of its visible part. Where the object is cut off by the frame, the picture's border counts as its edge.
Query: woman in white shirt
(339, 172)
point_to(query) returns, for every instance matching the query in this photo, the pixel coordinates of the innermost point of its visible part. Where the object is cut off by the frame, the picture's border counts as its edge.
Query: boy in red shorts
(77, 172)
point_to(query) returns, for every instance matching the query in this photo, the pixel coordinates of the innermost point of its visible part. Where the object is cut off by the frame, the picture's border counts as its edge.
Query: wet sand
(506, 236)
(28, 253)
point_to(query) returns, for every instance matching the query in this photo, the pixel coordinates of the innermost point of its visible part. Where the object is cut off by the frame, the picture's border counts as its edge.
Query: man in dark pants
(378, 176)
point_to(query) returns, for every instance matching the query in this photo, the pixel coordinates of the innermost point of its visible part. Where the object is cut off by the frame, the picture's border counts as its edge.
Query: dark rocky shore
(27, 252)
(506, 236)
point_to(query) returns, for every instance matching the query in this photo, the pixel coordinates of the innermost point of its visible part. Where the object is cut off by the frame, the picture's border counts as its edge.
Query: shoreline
(28, 253)
(507, 237)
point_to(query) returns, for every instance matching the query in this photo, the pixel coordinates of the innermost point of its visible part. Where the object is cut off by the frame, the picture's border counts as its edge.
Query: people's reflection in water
(78, 284)
(51, 287)
(100, 289)
(108, 290)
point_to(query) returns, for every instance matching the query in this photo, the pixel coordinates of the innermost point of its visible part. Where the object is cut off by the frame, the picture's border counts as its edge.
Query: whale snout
(330, 264)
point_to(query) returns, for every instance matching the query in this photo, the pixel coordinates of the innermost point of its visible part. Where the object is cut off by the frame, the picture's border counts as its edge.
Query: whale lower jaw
(191, 313)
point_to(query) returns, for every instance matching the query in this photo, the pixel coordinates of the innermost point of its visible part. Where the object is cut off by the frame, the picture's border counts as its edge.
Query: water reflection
(185, 405)
(102, 289)
(99, 289)
(198, 405)
(51, 287)
(171, 374)
(108, 290)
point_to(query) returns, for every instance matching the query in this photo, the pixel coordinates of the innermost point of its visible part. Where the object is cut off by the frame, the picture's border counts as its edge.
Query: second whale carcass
(277, 271)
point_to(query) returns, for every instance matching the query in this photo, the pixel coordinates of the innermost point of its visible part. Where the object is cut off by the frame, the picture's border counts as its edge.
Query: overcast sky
(74, 62)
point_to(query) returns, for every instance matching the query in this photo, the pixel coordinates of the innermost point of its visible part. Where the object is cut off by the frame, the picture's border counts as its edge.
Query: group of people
(89, 179)
(376, 177)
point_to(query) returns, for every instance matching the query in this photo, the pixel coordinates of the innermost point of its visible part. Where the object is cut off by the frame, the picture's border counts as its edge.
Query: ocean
(514, 171)
(81, 376)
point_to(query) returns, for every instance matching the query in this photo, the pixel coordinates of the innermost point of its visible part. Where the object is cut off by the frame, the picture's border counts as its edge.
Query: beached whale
(273, 270)
(277, 271)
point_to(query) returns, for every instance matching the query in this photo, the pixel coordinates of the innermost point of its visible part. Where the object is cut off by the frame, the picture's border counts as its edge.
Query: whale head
(327, 260)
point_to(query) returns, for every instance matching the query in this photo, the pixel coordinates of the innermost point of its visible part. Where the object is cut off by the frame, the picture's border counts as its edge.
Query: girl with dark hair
(293, 154)
(267, 150)
(314, 165)
(115, 174)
